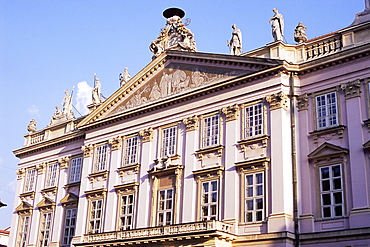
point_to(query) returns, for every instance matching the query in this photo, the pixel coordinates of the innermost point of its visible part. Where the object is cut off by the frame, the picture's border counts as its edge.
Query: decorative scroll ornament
(278, 100)
(87, 150)
(146, 134)
(63, 162)
(191, 123)
(302, 101)
(116, 143)
(231, 112)
(351, 89)
(174, 36)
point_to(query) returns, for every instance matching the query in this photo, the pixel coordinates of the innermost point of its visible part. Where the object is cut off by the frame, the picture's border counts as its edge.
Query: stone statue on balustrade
(67, 105)
(96, 92)
(32, 126)
(236, 41)
(174, 36)
(124, 77)
(300, 33)
(277, 25)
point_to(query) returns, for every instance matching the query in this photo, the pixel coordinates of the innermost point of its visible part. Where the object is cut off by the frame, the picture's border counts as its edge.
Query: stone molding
(302, 102)
(64, 161)
(231, 112)
(191, 123)
(20, 173)
(87, 150)
(146, 134)
(278, 100)
(351, 89)
(116, 143)
(41, 168)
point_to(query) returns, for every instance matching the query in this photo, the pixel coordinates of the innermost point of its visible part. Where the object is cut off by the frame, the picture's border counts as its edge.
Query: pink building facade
(269, 148)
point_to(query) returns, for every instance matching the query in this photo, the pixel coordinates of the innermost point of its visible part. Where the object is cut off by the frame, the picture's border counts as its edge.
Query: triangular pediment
(327, 150)
(23, 206)
(172, 75)
(70, 198)
(45, 203)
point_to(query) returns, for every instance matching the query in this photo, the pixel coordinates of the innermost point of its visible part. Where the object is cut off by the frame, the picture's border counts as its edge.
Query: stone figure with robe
(67, 105)
(124, 77)
(236, 41)
(277, 25)
(96, 92)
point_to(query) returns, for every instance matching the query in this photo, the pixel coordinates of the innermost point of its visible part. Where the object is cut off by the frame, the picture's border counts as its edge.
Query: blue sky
(47, 46)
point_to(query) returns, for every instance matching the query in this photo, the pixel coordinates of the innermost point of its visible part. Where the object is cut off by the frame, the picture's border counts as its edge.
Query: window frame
(263, 115)
(75, 170)
(128, 157)
(23, 230)
(30, 182)
(209, 204)
(101, 160)
(254, 197)
(164, 212)
(326, 117)
(92, 219)
(163, 150)
(209, 128)
(331, 192)
(129, 215)
(51, 176)
(70, 226)
(46, 224)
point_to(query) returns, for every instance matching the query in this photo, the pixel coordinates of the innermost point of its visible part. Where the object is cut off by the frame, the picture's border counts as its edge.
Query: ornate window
(23, 229)
(326, 110)
(165, 207)
(69, 225)
(254, 197)
(331, 191)
(131, 150)
(75, 170)
(211, 126)
(169, 141)
(209, 203)
(101, 158)
(29, 180)
(254, 120)
(51, 175)
(96, 216)
(45, 228)
(127, 211)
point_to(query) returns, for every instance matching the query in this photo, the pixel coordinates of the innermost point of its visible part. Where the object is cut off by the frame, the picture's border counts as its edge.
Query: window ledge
(328, 133)
(131, 167)
(259, 139)
(98, 176)
(74, 184)
(30, 194)
(215, 149)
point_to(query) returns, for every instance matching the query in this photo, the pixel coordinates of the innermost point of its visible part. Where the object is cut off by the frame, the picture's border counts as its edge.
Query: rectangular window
(101, 158)
(211, 131)
(169, 138)
(29, 180)
(96, 216)
(254, 197)
(131, 150)
(331, 189)
(24, 222)
(51, 175)
(75, 170)
(69, 225)
(254, 122)
(209, 203)
(45, 229)
(127, 212)
(165, 207)
(326, 110)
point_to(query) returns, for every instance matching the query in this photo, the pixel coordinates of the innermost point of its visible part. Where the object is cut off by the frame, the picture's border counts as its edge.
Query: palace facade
(267, 148)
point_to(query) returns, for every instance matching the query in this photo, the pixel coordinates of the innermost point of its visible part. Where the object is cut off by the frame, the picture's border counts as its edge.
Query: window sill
(74, 184)
(328, 133)
(98, 175)
(253, 140)
(215, 149)
(131, 167)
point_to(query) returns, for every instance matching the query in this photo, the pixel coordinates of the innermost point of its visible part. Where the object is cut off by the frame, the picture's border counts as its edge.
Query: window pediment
(69, 199)
(46, 204)
(327, 151)
(24, 208)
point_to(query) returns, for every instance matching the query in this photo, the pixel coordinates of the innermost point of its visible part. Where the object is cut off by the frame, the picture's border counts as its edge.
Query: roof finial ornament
(96, 92)
(174, 36)
(124, 77)
(32, 126)
(300, 34)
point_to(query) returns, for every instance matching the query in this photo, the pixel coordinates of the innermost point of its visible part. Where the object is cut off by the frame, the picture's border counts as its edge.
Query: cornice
(74, 136)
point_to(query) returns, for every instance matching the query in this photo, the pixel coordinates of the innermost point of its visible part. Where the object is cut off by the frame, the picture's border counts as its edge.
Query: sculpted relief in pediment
(172, 81)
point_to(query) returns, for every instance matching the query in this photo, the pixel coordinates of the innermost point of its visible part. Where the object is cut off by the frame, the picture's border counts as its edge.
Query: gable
(173, 75)
(327, 150)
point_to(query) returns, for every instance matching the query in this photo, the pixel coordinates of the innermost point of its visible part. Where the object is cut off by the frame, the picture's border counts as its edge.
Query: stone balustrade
(172, 230)
(326, 47)
(36, 138)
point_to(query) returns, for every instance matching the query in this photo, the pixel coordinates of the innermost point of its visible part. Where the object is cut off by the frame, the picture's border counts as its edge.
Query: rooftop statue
(124, 77)
(277, 25)
(67, 105)
(32, 126)
(299, 33)
(236, 41)
(96, 92)
(174, 36)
